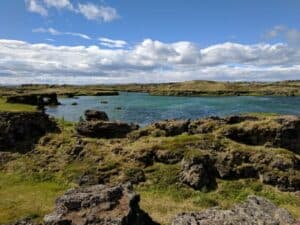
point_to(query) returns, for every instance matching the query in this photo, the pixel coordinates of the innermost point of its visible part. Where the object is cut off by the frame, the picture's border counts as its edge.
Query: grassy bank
(15, 107)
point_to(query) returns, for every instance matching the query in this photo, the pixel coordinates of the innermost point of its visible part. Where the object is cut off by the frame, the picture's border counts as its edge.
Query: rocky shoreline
(112, 156)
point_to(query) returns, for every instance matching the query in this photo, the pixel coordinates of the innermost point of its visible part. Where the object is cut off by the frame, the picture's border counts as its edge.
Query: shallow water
(143, 109)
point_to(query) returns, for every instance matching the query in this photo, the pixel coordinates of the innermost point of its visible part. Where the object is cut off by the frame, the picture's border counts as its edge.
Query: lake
(143, 108)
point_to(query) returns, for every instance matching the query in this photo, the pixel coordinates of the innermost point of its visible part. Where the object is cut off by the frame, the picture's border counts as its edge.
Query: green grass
(164, 198)
(22, 198)
(15, 107)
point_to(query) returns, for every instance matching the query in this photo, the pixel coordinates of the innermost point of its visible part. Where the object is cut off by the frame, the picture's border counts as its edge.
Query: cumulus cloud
(35, 6)
(112, 43)
(53, 31)
(90, 11)
(98, 12)
(148, 61)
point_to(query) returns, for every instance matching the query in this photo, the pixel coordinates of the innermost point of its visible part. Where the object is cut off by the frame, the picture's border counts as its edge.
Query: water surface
(143, 109)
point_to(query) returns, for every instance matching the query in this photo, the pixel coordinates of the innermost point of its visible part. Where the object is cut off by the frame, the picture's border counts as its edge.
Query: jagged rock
(198, 172)
(254, 211)
(173, 127)
(284, 132)
(92, 115)
(288, 136)
(20, 130)
(105, 129)
(34, 99)
(99, 205)
(273, 169)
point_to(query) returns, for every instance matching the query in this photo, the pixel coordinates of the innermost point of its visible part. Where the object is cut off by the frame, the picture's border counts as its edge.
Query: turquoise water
(143, 109)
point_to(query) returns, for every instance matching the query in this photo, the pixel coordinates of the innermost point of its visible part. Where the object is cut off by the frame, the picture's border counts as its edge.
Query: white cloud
(98, 12)
(59, 4)
(112, 43)
(90, 11)
(148, 61)
(36, 7)
(53, 31)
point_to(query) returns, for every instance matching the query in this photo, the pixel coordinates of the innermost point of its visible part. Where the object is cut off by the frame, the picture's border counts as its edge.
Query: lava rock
(255, 210)
(99, 205)
(172, 127)
(19, 131)
(105, 129)
(92, 115)
(198, 172)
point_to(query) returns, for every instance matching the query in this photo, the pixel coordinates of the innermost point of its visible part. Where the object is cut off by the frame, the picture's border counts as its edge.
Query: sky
(126, 41)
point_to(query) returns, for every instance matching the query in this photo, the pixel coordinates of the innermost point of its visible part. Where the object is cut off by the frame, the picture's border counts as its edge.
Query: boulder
(105, 129)
(19, 131)
(198, 172)
(99, 205)
(91, 115)
(255, 210)
(172, 127)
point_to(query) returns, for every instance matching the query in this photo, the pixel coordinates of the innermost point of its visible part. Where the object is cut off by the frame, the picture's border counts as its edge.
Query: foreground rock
(92, 115)
(254, 211)
(105, 129)
(20, 130)
(34, 99)
(99, 205)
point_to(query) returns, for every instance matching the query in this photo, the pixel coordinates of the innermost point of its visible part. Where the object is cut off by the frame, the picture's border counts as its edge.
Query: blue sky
(148, 41)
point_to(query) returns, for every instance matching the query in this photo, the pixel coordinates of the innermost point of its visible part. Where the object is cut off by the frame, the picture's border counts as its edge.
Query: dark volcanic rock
(198, 172)
(285, 134)
(91, 115)
(35, 99)
(20, 130)
(254, 211)
(172, 127)
(99, 205)
(105, 129)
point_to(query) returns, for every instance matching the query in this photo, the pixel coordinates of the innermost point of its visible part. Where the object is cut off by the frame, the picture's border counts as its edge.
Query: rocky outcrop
(91, 115)
(20, 130)
(105, 129)
(34, 99)
(281, 132)
(198, 172)
(255, 210)
(99, 205)
(172, 127)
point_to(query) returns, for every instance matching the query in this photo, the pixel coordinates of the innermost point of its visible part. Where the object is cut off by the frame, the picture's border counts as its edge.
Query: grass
(15, 107)
(164, 202)
(22, 198)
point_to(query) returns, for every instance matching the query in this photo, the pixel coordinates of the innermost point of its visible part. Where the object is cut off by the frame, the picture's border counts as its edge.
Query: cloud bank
(148, 61)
